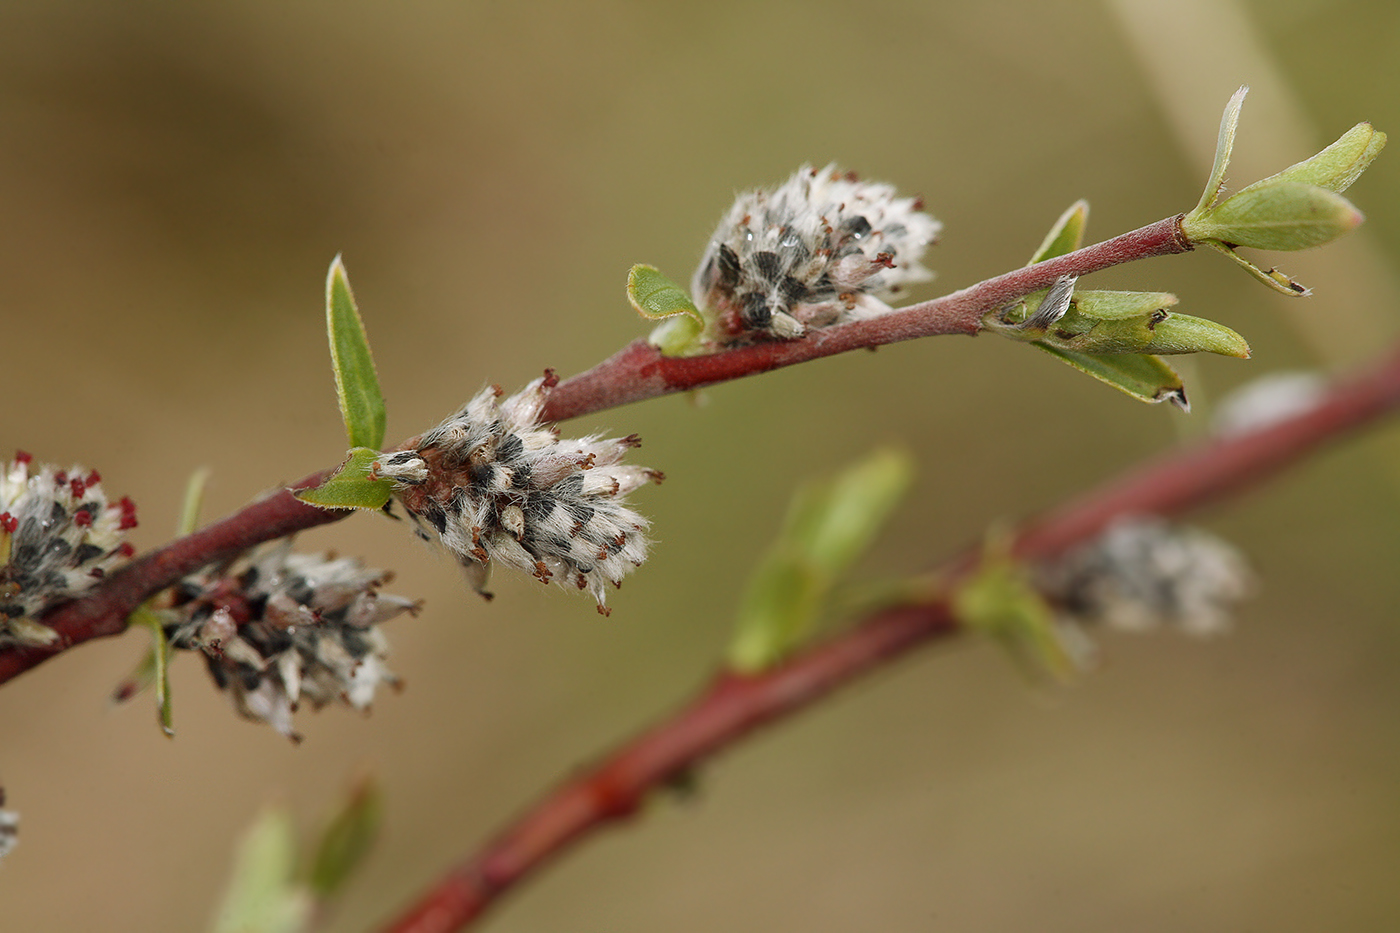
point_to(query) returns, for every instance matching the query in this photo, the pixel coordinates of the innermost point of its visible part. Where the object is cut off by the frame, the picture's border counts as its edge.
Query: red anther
(61, 477)
(23, 457)
(93, 478)
(551, 379)
(78, 486)
(125, 549)
(128, 513)
(883, 259)
(97, 573)
(8, 522)
(82, 518)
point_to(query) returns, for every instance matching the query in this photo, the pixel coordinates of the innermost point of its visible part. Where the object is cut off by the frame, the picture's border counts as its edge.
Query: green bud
(1111, 322)
(657, 298)
(1281, 215)
(1159, 332)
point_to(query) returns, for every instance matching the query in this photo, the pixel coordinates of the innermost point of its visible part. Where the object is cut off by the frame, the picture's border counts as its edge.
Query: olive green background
(175, 179)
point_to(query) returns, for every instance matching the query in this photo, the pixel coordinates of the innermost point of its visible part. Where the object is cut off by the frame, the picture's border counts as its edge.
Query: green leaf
(1066, 236)
(348, 837)
(657, 298)
(194, 499)
(1224, 142)
(351, 487)
(154, 670)
(262, 896)
(1146, 378)
(1339, 165)
(1271, 277)
(828, 527)
(1280, 215)
(356, 384)
(999, 602)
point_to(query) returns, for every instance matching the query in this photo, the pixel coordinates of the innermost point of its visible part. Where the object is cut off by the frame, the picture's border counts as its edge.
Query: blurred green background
(174, 180)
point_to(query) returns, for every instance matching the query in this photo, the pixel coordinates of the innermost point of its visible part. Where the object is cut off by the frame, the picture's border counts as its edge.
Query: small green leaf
(194, 499)
(154, 670)
(1224, 142)
(1281, 215)
(1271, 277)
(999, 602)
(1066, 236)
(356, 384)
(657, 298)
(262, 896)
(1339, 165)
(841, 527)
(348, 837)
(828, 527)
(1146, 378)
(351, 487)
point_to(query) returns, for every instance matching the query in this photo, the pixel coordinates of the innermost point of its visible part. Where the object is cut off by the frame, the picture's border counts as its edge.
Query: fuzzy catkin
(492, 484)
(822, 248)
(58, 537)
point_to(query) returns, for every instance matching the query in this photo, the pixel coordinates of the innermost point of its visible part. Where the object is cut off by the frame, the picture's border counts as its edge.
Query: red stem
(732, 706)
(637, 372)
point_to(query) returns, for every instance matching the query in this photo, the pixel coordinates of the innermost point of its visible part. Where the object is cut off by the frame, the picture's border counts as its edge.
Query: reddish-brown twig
(637, 372)
(733, 706)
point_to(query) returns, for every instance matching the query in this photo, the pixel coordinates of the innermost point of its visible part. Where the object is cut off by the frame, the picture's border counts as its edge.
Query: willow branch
(732, 707)
(635, 373)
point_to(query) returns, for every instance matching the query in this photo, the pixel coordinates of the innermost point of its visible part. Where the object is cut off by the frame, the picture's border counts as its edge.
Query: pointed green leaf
(840, 528)
(1281, 215)
(351, 487)
(194, 499)
(346, 840)
(1066, 236)
(654, 296)
(1146, 378)
(828, 527)
(999, 602)
(1283, 284)
(1224, 142)
(154, 670)
(356, 383)
(657, 298)
(261, 896)
(1339, 165)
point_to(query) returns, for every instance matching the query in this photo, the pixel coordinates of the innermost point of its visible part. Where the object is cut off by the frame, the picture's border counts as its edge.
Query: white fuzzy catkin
(1143, 572)
(289, 628)
(820, 249)
(58, 537)
(492, 484)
